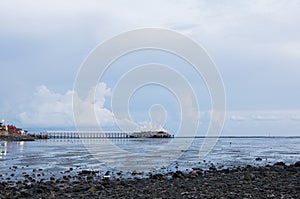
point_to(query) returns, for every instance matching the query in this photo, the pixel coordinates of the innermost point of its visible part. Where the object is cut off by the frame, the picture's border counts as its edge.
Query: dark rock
(157, 176)
(119, 173)
(258, 159)
(197, 169)
(134, 173)
(297, 164)
(279, 164)
(193, 175)
(177, 174)
(249, 176)
(25, 193)
(212, 168)
(85, 172)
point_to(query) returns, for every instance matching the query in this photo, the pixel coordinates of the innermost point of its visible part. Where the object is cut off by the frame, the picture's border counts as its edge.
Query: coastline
(16, 138)
(270, 181)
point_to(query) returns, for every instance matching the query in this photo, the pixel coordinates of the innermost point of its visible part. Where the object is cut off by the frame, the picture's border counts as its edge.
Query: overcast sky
(255, 44)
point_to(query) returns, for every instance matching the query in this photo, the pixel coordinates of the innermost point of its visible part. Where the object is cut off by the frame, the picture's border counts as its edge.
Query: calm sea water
(55, 157)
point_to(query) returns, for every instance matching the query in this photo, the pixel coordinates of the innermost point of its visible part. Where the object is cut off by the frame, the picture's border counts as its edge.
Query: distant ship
(150, 134)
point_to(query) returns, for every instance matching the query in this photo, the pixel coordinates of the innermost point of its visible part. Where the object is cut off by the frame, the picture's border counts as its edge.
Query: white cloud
(51, 109)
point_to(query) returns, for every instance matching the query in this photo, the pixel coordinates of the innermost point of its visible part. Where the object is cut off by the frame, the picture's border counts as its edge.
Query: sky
(255, 45)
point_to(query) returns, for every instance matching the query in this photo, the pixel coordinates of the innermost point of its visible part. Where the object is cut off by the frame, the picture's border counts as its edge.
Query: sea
(59, 157)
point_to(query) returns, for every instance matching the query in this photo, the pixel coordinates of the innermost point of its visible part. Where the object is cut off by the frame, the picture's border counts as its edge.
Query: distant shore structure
(12, 133)
(150, 134)
(10, 130)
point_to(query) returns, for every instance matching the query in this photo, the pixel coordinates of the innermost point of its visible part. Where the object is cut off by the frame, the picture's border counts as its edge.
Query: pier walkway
(82, 134)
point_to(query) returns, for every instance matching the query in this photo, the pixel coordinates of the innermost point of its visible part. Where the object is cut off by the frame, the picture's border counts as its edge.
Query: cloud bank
(49, 109)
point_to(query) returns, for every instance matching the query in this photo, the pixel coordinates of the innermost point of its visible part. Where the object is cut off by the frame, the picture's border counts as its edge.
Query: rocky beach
(270, 181)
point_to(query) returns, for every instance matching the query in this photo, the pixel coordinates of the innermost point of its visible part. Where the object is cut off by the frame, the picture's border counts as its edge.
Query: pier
(83, 134)
(100, 134)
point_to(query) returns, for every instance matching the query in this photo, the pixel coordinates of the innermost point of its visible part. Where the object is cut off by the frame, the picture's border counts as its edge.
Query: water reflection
(6, 147)
(3, 150)
(21, 146)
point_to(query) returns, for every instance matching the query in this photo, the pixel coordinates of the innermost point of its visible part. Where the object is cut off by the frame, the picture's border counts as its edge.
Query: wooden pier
(83, 134)
(100, 134)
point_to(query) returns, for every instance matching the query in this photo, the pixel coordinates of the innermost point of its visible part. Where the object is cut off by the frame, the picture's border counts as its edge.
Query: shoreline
(270, 181)
(16, 138)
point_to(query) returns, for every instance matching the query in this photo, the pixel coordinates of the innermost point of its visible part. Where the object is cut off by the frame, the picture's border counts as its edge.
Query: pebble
(278, 181)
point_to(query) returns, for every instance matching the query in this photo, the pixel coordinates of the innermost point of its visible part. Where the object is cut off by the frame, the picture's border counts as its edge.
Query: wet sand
(276, 181)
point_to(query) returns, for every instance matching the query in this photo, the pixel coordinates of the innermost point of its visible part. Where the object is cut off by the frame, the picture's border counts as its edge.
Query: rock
(25, 194)
(85, 172)
(258, 159)
(212, 168)
(92, 189)
(279, 164)
(134, 173)
(193, 175)
(177, 174)
(249, 176)
(297, 164)
(197, 169)
(184, 193)
(157, 176)
(119, 173)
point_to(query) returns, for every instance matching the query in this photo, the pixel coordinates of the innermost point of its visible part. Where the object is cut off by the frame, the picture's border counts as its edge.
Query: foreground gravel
(276, 181)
